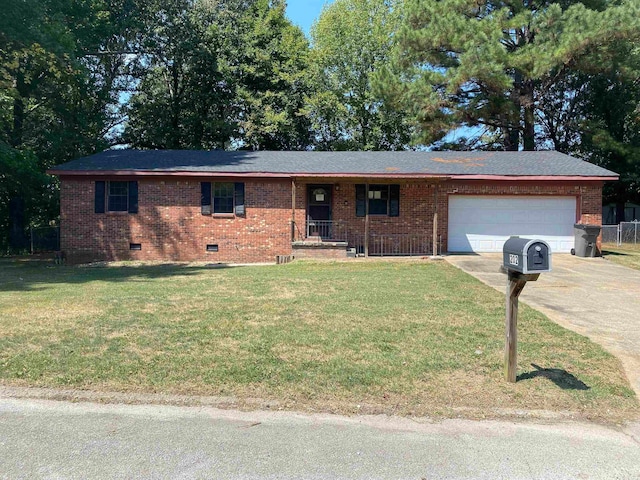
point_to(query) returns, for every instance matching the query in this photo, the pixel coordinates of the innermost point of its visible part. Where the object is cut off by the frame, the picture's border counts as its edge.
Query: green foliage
(596, 116)
(274, 80)
(351, 41)
(62, 73)
(79, 75)
(611, 135)
(220, 74)
(462, 62)
(21, 177)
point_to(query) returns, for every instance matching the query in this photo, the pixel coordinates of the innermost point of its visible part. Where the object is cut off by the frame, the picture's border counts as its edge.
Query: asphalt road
(42, 439)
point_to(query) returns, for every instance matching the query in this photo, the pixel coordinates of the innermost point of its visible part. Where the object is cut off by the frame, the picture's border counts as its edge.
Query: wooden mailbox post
(523, 261)
(515, 284)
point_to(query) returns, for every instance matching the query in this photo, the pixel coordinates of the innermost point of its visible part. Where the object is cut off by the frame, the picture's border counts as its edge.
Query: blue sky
(304, 12)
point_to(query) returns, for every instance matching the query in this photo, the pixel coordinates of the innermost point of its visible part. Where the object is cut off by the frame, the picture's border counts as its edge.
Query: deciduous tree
(351, 40)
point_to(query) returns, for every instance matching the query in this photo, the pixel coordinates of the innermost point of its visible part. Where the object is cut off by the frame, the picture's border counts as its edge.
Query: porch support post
(293, 209)
(435, 219)
(366, 221)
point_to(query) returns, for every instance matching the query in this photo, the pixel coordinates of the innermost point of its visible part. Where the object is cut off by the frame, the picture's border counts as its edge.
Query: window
(224, 197)
(378, 199)
(116, 196)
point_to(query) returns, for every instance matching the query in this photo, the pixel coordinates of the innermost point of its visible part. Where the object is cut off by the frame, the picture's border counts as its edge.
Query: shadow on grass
(561, 378)
(23, 274)
(618, 254)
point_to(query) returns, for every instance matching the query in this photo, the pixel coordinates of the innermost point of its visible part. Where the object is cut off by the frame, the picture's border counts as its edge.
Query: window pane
(377, 207)
(118, 196)
(223, 198)
(378, 199)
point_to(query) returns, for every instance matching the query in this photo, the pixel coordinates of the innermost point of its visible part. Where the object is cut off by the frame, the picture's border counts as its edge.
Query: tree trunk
(621, 198)
(529, 135)
(175, 140)
(18, 108)
(18, 122)
(513, 138)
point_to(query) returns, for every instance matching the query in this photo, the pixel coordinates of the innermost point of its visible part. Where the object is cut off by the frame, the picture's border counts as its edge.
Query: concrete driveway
(590, 296)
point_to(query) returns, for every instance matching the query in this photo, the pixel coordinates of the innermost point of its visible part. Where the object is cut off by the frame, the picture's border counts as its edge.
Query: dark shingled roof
(292, 163)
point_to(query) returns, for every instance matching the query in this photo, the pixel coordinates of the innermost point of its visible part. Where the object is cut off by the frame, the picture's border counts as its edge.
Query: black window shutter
(100, 197)
(133, 197)
(394, 200)
(239, 198)
(361, 200)
(205, 198)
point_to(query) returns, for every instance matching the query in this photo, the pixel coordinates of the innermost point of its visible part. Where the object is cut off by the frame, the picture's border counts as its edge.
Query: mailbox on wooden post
(523, 260)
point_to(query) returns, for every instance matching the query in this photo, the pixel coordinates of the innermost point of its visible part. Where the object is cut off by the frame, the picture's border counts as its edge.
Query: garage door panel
(483, 224)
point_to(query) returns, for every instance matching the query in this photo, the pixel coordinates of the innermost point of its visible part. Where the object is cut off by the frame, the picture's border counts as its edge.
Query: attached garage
(482, 223)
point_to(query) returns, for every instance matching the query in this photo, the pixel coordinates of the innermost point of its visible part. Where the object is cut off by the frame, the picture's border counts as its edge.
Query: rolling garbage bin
(586, 237)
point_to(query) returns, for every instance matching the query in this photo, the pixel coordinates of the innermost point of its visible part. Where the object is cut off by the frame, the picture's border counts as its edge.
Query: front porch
(328, 236)
(355, 218)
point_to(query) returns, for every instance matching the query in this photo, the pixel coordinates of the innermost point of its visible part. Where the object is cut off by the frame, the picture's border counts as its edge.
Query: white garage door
(484, 223)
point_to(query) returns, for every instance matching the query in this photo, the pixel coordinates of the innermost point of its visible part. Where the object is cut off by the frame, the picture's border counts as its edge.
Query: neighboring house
(631, 213)
(253, 206)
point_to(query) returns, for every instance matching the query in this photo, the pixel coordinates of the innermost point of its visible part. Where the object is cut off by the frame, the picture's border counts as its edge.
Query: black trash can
(586, 237)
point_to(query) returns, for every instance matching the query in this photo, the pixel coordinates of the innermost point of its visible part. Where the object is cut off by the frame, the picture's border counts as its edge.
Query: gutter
(285, 175)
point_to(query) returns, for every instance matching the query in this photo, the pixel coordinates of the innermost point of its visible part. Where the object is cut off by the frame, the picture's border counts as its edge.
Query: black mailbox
(526, 255)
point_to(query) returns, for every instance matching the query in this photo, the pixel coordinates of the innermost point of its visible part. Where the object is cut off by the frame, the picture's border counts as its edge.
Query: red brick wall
(417, 201)
(170, 226)
(416, 209)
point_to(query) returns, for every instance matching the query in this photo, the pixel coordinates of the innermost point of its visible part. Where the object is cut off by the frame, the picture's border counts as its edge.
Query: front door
(319, 210)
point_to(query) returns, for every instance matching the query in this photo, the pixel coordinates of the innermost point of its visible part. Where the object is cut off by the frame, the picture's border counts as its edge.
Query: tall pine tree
(487, 63)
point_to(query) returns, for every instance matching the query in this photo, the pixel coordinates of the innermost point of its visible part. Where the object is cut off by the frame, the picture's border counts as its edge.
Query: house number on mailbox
(513, 259)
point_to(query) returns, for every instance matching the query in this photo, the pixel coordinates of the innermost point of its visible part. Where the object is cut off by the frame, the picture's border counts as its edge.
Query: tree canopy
(351, 40)
(489, 63)
(79, 76)
(216, 74)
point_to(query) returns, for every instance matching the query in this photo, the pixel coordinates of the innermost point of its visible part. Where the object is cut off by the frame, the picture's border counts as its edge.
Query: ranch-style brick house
(243, 207)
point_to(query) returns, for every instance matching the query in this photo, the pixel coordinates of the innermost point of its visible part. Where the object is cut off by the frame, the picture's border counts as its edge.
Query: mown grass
(627, 255)
(405, 338)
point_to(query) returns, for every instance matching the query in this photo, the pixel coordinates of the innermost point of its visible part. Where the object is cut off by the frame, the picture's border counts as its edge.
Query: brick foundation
(320, 250)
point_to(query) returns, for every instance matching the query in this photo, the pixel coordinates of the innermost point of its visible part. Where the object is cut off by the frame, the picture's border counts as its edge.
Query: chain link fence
(45, 239)
(625, 233)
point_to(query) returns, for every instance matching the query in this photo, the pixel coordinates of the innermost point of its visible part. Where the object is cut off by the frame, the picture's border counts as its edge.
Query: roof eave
(539, 178)
(161, 173)
(191, 173)
(391, 175)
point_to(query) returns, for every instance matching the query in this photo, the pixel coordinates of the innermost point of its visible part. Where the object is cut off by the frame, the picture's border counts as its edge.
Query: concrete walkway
(590, 296)
(42, 439)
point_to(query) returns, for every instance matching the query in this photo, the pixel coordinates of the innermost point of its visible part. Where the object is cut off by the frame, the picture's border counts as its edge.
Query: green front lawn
(627, 255)
(395, 337)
